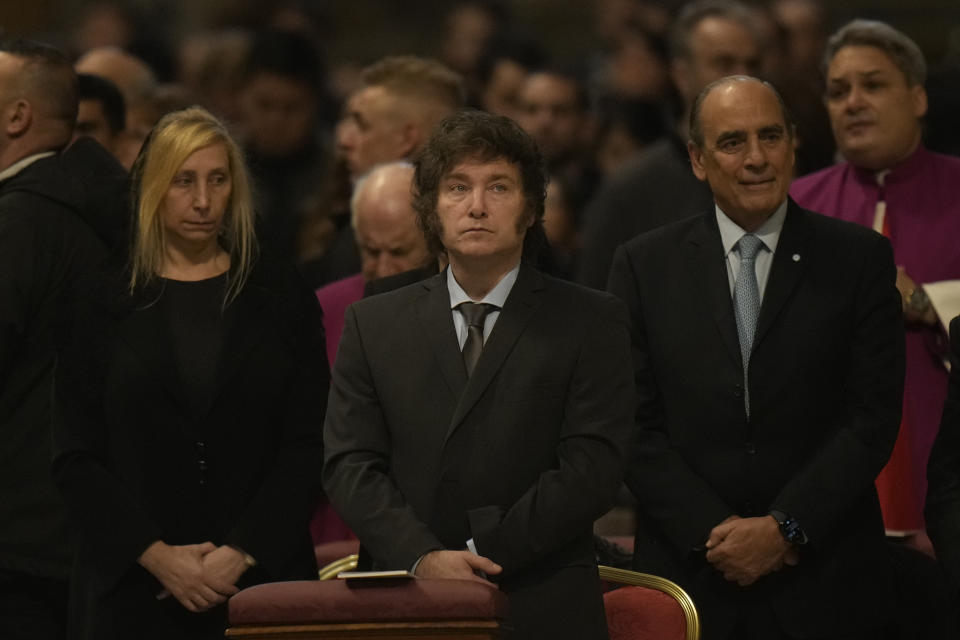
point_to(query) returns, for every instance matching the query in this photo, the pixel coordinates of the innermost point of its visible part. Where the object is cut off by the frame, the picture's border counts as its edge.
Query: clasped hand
(199, 576)
(746, 549)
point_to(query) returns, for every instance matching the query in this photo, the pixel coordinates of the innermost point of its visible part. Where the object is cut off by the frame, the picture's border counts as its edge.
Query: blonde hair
(428, 91)
(172, 141)
(414, 77)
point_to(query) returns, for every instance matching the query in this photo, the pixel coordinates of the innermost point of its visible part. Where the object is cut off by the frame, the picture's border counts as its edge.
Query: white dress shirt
(769, 234)
(496, 296)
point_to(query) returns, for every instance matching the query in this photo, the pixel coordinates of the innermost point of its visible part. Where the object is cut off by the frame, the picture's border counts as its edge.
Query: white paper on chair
(375, 575)
(945, 298)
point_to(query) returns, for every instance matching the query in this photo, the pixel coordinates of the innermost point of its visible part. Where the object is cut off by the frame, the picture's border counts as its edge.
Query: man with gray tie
(769, 370)
(477, 419)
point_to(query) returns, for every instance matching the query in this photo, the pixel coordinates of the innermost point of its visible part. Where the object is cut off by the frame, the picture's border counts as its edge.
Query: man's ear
(17, 118)
(410, 139)
(696, 161)
(919, 100)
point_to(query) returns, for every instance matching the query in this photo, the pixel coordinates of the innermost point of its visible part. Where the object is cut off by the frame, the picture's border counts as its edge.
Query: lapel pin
(796, 257)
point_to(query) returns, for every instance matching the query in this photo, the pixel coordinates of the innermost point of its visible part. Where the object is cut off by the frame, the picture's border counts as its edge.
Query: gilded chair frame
(610, 574)
(672, 589)
(332, 570)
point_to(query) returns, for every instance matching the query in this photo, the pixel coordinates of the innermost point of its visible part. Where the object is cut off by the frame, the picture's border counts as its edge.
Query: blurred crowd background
(283, 94)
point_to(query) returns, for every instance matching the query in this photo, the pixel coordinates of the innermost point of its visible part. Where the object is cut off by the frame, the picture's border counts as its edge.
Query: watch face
(793, 532)
(918, 300)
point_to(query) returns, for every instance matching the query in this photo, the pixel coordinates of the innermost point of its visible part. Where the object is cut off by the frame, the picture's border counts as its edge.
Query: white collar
(496, 296)
(768, 232)
(20, 165)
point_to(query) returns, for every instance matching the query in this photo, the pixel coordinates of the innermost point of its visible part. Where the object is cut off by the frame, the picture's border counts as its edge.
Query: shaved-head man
(39, 102)
(45, 241)
(393, 113)
(389, 117)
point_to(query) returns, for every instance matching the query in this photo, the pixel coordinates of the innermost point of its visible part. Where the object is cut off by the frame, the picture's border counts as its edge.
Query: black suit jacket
(522, 457)
(943, 471)
(826, 377)
(136, 464)
(397, 280)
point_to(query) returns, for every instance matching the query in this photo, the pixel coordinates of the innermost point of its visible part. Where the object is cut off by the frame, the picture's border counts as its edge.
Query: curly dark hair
(478, 135)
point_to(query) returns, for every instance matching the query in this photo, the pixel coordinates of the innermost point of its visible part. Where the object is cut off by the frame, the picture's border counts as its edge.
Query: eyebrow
(737, 134)
(494, 178)
(193, 172)
(868, 73)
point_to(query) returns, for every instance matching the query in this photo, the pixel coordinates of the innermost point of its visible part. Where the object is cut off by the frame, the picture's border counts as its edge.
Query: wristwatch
(789, 528)
(918, 301)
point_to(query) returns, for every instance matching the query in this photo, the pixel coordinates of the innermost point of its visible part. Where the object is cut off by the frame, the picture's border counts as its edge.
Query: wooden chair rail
(458, 629)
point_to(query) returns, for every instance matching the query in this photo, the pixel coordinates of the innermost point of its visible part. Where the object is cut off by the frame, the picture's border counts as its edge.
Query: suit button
(738, 391)
(751, 448)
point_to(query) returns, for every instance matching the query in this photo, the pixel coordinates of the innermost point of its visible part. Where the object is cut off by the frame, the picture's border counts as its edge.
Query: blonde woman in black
(189, 404)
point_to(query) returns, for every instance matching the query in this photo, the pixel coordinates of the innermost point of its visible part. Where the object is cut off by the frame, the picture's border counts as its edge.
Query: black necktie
(475, 313)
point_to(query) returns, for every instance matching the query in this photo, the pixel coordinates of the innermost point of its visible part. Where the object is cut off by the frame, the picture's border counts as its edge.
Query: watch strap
(789, 527)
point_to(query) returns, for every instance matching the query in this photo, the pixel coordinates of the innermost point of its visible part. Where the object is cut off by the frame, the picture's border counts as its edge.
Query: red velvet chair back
(648, 608)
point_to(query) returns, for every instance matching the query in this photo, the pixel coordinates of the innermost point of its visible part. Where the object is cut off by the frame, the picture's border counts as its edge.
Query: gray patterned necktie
(746, 298)
(475, 313)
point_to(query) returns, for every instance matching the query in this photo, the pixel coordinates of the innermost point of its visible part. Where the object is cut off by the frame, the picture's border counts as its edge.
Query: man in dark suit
(769, 367)
(452, 462)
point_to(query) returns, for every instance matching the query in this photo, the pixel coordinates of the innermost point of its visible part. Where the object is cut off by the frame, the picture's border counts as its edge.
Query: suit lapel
(434, 315)
(789, 263)
(709, 270)
(520, 306)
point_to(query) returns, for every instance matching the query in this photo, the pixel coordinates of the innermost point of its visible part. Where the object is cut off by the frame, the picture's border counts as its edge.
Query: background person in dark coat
(189, 405)
(49, 207)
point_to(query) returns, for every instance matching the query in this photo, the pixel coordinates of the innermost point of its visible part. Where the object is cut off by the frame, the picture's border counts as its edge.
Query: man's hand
(460, 565)
(222, 568)
(180, 570)
(906, 285)
(745, 549)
